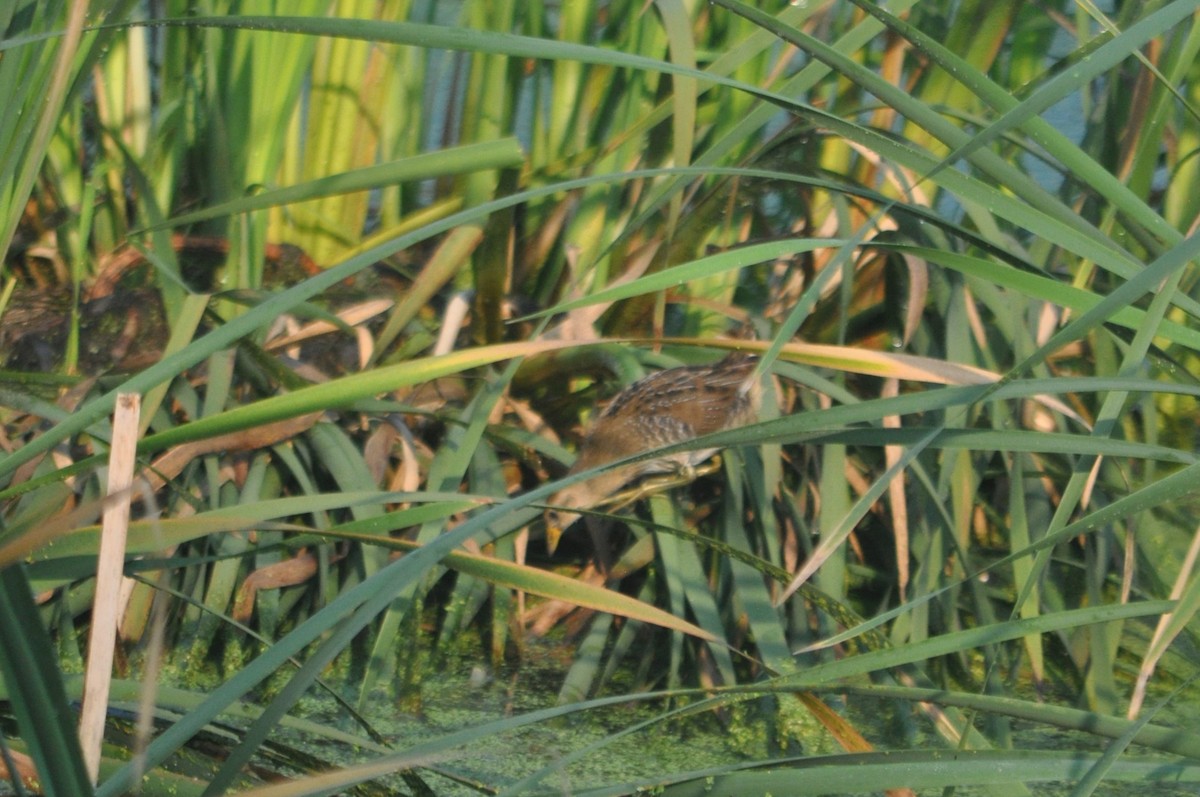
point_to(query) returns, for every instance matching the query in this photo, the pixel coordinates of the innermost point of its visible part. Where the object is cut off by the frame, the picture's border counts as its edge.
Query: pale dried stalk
(110, 567)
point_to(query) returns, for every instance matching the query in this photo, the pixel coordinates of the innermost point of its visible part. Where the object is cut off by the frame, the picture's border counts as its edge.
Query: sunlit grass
(977, 456)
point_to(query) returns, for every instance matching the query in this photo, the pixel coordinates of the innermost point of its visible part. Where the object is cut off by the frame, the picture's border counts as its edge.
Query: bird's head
(563, 507)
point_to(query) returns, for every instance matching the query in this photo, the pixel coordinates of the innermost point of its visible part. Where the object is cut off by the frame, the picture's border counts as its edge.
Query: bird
(670, 406)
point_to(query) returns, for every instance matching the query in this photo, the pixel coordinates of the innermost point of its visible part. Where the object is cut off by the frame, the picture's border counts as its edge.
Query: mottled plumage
(668, 407)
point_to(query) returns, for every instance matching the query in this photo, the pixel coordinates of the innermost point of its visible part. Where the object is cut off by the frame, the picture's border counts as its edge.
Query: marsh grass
(978, 457)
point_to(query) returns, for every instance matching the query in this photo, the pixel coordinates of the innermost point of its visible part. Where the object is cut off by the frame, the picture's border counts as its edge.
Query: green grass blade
(34, 687)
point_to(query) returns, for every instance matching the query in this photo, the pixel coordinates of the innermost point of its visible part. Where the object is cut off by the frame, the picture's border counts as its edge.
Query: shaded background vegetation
(371, 265)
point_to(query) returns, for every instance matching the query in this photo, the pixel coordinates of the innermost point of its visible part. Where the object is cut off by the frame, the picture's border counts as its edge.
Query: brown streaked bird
(668, 407)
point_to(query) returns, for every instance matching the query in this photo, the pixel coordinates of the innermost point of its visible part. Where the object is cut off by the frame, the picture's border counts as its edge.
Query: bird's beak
(553, 533)
(556, 523)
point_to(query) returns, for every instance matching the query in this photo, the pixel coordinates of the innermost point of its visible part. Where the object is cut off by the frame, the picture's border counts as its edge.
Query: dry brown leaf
(172, 463)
